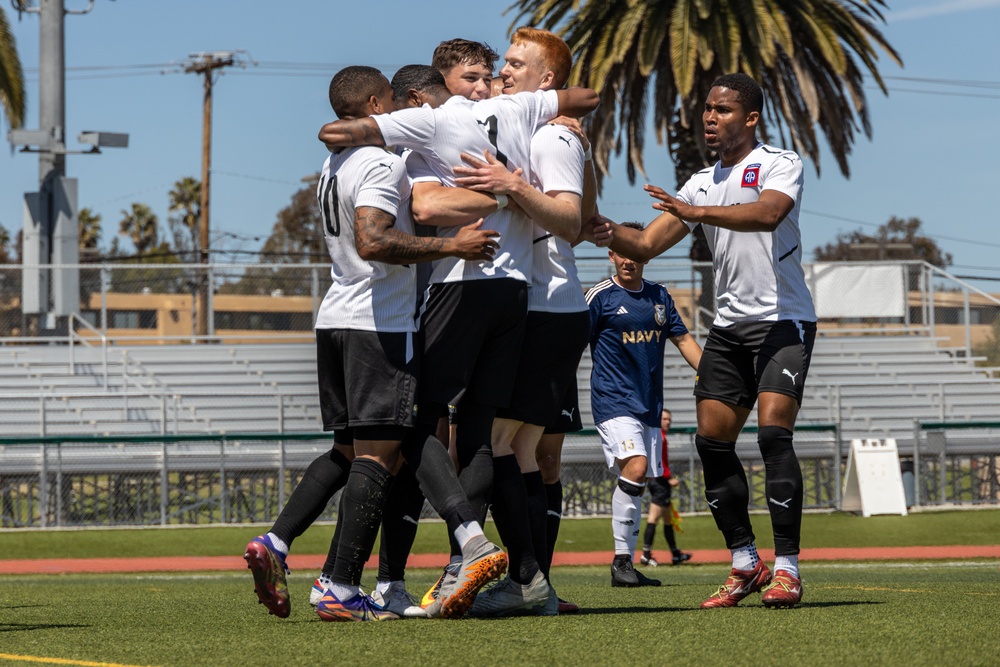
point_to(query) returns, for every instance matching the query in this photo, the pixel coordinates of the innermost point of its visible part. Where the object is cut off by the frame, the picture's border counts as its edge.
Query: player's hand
(574, 126)
(473, 243)
(673, 481)
(489, 175)
(598, 230)
(666, 203)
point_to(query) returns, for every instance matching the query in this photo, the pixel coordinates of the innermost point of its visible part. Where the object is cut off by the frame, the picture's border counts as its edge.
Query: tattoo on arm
(378, 239)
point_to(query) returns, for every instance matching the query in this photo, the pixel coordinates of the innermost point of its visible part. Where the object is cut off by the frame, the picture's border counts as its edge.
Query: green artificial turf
(852, 614)
(838, 529)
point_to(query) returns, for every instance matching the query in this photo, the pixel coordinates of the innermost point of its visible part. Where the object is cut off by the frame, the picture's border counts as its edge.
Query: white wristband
(588, 154)
(501, 201)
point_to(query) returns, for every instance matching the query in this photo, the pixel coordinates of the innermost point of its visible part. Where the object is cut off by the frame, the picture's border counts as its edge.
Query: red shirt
(663, 455)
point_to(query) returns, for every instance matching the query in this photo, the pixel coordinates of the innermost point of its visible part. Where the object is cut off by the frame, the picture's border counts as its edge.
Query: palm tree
(141, 227)
(185, 199)
(11, 76)
(89, 225)
(809, 57)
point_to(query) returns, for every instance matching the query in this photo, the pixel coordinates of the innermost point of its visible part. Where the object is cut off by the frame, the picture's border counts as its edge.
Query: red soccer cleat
(785, 590)
(740, 584)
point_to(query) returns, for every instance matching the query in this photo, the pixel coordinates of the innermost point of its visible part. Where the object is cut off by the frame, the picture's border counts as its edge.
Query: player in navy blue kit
(631, 320)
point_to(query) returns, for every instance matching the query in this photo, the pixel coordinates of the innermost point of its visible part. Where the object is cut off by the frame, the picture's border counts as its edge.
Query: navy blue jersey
(628, 332)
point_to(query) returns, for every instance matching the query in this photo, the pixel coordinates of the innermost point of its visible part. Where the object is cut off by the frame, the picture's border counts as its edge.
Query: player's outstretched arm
(642, 245)
(378, 240)
(577, 102)
(689, 349)
(763, 215)
(351, 132)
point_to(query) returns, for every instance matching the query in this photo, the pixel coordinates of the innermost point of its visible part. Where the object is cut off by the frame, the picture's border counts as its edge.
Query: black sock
(474, 423)
(553, 514)
(537, 522)
(510, 499)
(726, 490)
(403, 505)
(783, 486)
(436, 475)
(668, 532)
(326, 475)
(647, 537)
(331, 554)
(364, 497)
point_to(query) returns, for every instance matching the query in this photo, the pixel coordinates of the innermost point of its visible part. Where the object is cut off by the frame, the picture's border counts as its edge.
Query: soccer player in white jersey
(631, 320)
(556, 328)
(760, 344)
(475, 311)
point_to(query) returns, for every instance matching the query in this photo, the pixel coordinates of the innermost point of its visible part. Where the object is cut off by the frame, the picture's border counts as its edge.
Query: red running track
(308, 562)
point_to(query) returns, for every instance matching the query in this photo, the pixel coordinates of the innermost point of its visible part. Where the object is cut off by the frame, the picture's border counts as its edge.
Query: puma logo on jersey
(386, 165)
(705, 190)
(621, 311)
(779, 503)
(785, 371)
(566, 139)
(568, 413)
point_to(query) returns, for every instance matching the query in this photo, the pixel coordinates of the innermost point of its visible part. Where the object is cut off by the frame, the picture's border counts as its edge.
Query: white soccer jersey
(758, 275)
(556, 164)
(502, 125)
(365, 295)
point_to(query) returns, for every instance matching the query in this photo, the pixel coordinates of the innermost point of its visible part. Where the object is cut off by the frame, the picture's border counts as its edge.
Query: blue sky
(931, 156)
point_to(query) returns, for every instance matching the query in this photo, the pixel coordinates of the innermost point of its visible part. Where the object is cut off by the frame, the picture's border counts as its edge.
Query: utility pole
(51, 285)
(206, 64)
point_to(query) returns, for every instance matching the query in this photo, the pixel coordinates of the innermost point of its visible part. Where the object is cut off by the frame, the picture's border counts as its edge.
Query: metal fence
(246, 478)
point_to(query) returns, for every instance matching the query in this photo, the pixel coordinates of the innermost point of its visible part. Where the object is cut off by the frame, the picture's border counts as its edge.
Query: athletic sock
(464, 535)
(344, 592)
(510, 501)
(647, 537)
(789, 564)
(782, 486)
(364, 497)
(553, 515)
(668, 533)
(745, 558)
(278, 544)
(726, 490)
(326, 475)
(400, 518)
(537, 521)
(626, 513)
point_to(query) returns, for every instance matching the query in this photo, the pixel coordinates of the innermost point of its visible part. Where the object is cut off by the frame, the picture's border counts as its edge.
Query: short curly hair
(749, 91)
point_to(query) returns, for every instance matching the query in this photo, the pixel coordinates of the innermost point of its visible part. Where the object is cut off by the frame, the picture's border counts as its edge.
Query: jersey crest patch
(750, 175)
(660, 313)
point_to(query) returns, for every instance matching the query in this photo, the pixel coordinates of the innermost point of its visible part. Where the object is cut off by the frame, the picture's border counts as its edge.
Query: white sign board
(873, 484)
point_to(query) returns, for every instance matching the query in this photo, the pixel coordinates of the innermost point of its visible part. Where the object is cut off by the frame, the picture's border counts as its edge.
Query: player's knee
(774, 441)
(630, 488)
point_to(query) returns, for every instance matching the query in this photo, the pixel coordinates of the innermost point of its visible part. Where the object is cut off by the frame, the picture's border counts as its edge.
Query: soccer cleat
(399, 601)
(509, 598)
(359, 608)
(268, 568)
(785, 590)
(485, 562)
(566, 607)
(680, 557)
(647, 559)
(623, 574)
(740, 584)
(316, 594)
(431, 602)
